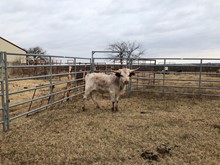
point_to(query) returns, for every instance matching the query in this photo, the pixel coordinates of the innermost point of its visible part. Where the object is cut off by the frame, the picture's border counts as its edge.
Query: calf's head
(125, 74)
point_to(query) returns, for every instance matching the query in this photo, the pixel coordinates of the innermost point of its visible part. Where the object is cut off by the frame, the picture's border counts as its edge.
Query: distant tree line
(125, 49)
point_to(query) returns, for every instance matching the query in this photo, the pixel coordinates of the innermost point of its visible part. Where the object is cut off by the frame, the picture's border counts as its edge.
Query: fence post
(51, 82)
(92, 62)
(130, 66)
(6, 102)
(200, 76)
(164, 65)
(2, 92)
(75, 79)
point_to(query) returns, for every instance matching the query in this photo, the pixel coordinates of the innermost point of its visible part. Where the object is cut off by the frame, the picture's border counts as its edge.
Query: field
(148, 129)
(180, 83)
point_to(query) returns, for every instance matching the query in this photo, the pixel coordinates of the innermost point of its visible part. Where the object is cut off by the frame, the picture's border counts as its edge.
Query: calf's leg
(85, 97)
(93, 94)
(114, 102)
(114, 106)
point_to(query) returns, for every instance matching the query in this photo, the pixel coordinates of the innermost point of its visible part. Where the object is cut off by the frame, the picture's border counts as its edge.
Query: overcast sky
(165, 28)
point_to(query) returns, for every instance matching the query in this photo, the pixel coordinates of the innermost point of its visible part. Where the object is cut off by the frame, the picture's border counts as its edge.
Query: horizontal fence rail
(29, 85)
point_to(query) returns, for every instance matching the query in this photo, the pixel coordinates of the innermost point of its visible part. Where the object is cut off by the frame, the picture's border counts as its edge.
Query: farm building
(7, 46)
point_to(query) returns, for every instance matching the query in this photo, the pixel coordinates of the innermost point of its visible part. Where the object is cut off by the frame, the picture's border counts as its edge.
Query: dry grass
(168, 130)
(22, 97)
(192, 81)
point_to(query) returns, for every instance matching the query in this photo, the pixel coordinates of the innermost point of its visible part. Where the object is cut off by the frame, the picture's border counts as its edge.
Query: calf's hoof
(114, 110)
(98, 107)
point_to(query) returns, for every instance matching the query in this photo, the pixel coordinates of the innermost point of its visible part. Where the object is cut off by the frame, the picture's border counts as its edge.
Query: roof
(13, 44)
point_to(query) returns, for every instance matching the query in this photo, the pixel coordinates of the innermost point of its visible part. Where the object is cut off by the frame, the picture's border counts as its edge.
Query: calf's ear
(117, 74)
(131, 74)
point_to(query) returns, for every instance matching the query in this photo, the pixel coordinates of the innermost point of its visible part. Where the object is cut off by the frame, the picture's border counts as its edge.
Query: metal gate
(176, 76)
(29, 87)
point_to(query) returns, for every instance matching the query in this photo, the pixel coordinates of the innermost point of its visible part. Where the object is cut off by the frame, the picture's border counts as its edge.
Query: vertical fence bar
(6, 92)
(75, 79)
(92, 65)
(130, 66)
(3, 91)
(51, 82)
(90, 61)
(200, 76)
(31, 101)
(164, 66)
(3, 106)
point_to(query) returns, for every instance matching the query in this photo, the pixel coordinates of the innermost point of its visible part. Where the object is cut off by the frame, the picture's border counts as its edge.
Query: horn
(116, 71)
(133, 70)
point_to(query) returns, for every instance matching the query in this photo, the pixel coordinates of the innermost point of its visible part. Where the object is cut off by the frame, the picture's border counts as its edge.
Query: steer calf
(114, 84)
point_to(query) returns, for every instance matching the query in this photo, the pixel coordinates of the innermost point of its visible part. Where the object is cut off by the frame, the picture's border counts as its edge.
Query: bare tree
(36, 50)
(37, 58)
(126, 50)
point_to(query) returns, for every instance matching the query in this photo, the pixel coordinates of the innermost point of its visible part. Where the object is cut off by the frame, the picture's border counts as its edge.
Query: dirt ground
(148, 129)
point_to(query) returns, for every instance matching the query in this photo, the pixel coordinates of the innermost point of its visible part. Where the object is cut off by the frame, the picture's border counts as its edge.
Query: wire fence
(29, 87)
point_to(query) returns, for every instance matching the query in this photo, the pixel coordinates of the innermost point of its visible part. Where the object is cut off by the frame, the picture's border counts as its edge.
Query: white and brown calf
(114, 84)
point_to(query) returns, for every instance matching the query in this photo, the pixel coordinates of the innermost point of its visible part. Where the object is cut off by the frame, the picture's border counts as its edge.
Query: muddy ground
(148, 129)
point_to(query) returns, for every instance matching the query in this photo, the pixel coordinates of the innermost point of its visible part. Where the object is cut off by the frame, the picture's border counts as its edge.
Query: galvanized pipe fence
(29, 88)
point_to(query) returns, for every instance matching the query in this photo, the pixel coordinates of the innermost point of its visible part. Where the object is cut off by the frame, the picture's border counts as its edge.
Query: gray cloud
(165, 28)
